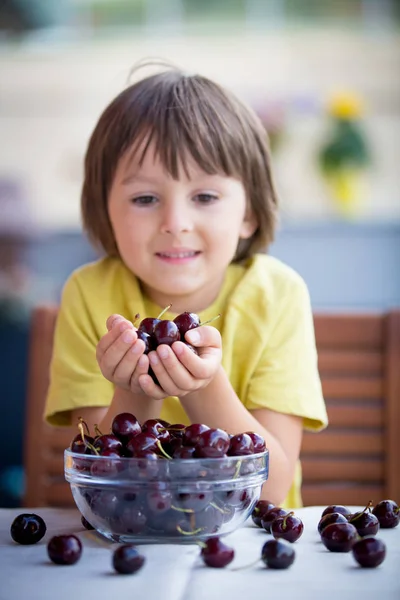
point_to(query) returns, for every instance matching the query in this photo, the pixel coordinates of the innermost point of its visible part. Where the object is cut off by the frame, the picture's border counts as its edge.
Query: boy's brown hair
(184, 116)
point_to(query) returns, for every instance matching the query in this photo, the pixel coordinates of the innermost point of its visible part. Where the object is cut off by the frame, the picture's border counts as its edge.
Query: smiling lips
(178, 256)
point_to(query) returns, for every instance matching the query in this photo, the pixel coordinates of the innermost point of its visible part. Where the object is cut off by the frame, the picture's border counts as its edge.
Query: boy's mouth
(178, 256)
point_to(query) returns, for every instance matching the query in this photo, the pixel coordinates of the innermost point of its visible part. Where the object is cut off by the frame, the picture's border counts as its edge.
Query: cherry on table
(270, 516)
(127, 560)
(369, 552)
(27, 528)
(217, 554)
(387, 513)
(64, 549)
(260, 509)
(86, 524)
(288, 527)
(365, 522)
(277, 554)
(338, 508)
(330, 518)
(339, 537)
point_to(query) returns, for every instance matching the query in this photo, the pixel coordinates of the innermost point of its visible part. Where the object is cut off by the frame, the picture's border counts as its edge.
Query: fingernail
(115, 322)
(193, 336)
(128, 337)
(153, 358)
(162, 351)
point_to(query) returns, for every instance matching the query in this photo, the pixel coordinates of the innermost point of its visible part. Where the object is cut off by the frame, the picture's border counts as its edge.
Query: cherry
(86, 524)
(106, 468)
(277, 554)
(147, 325)
(217, 554)
(185, 322)
(176, 430)
(339, 537)
(80, 445)
(126, 559)
(166, 332)
(338, 508)
(27, 528)
(270, 516)
(192, 433)
(240, 444)
(365, 522)
(154, 427)
(258, 441)
(260, 509)
(124, 426)
(149, 342)
(289, 527)
(140, 443)
(330, 518)
(159, 501)
(212, 443)
(387, 513)
(369, 552)
(108, 441)
(184, 452)
(64, 549)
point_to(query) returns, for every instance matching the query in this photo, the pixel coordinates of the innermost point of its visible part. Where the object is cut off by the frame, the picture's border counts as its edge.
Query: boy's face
(177, 237)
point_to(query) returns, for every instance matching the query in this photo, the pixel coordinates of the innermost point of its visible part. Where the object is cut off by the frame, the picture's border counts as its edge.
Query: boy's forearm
(124, 401)
(217, 405)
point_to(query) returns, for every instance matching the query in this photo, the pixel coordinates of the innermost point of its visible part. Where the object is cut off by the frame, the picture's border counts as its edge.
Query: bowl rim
(186, 461)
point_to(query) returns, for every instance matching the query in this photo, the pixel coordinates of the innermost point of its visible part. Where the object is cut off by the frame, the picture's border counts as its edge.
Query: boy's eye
(144, 200)
(205, 198)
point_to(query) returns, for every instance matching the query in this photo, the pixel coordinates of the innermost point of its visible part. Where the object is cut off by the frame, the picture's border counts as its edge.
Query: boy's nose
(176, 219)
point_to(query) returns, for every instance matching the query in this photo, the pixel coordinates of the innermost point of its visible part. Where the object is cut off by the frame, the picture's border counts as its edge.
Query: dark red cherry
(124, 426)
(192, 433)
(127, 560)
(154, 376)
(258, 441)
(339, 537)
(277, 554)
(166, 332)
(343, 510)
(240, 445)
(108, 441)
(64, 549)
(330, 518)
(270, 516)
(288, 527)
(369, 552)
(142, 442)
(212, 443)
(260, 509)
(365, 522)
(177, 430)
(184, 452)
(27, 528)
(185, 322)
(149, 342)
(147, 325)
(79, 445)
(154, 427)
(217, 554)
(388, 514)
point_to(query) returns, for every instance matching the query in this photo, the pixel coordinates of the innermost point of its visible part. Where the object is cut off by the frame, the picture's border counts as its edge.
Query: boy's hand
(120, 355)
(179, 370)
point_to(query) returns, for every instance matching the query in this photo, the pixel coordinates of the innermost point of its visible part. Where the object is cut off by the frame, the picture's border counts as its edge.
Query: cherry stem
(83, 422)
(210, 320)
(184, 510)
(237, 470)
(221, 510)
(159, 446)
(183, 532)
(164, 311)
(285, 518)
(252, 564)
(97, 430)
(136, 318)
(87, 444)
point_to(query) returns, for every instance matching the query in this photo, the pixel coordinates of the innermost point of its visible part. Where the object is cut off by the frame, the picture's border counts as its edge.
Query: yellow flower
(345, 105)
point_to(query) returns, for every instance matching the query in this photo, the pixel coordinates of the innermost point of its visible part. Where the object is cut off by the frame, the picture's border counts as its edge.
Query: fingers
(114, 353)
(206, 336)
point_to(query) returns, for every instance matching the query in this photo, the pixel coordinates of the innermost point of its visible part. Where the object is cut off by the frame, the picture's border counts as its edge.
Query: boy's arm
(218, 406)
(123, 401)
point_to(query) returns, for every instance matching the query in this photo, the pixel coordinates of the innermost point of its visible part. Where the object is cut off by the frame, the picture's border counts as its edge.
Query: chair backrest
(353, 461)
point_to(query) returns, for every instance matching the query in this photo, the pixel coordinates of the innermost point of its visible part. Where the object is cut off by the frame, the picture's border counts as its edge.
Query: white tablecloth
(174, 572)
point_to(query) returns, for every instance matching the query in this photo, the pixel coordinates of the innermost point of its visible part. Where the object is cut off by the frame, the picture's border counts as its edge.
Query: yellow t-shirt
(266, 325)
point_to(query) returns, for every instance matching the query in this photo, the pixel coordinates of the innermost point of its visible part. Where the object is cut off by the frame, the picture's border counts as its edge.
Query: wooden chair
(354, 460)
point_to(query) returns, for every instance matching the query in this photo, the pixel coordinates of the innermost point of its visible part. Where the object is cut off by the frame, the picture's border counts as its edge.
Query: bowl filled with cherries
(161, 482)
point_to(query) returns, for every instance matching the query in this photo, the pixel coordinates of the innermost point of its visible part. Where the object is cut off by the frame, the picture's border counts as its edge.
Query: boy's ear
(249, 225)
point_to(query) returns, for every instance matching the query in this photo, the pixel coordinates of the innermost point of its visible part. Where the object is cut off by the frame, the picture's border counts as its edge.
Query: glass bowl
(156, 500)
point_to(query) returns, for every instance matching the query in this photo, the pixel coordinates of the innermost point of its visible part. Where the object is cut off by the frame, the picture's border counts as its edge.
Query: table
(174, 572)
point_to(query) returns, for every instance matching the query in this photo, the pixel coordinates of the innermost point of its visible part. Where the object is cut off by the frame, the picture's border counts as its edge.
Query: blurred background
(322, 74)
